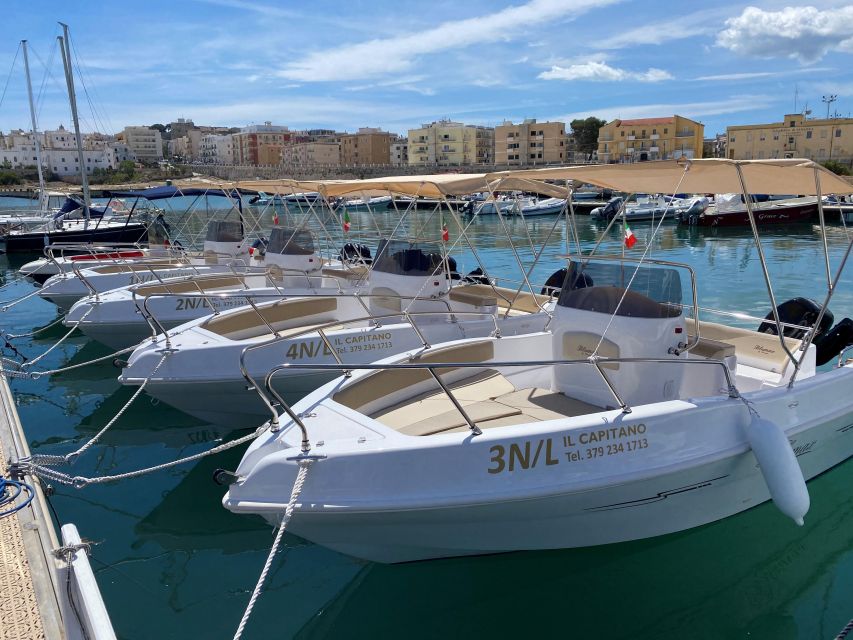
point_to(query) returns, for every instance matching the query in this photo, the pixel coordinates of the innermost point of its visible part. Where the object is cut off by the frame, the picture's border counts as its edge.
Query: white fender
(779, 465)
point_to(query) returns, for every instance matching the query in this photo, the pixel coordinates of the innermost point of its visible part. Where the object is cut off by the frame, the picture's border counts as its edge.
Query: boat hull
(35, 242)
(547, 485)
(782, 215)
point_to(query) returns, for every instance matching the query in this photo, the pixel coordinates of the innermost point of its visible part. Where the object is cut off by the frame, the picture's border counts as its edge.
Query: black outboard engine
(477, 276)
(353, 252)
(611, 208)
(804, 312)
(554, 282)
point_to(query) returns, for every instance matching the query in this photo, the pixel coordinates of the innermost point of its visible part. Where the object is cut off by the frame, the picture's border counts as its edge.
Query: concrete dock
(35, 585)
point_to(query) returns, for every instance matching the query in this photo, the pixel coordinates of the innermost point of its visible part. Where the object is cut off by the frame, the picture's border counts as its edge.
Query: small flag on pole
(275, 218)
(630, 238)
(346, 220)
(445, 233)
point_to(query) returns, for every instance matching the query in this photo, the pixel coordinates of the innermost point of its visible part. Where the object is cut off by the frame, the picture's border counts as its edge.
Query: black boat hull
(36, 241)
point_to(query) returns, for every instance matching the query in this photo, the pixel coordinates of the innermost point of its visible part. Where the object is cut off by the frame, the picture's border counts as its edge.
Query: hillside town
(438, 145)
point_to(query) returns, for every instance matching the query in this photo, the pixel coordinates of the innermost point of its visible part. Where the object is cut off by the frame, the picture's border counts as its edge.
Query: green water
(172, 563)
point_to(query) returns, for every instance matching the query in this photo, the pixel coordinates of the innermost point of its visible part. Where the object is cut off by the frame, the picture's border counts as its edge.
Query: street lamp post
(828, 100)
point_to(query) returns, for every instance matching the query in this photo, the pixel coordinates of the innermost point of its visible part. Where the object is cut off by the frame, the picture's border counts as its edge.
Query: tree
(585, 133)
(837, 168)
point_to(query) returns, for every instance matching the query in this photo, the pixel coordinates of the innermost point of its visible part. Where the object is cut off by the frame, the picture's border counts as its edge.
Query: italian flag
(445, 233)
(346, 220)
(630, 238)
(275, 218)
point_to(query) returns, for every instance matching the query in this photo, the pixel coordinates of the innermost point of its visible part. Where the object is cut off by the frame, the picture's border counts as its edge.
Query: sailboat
(76, 224)
(629, 416)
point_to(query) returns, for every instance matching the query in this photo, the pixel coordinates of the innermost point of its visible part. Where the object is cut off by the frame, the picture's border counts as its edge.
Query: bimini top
(707, 175)
(171, 191)
(428, 186)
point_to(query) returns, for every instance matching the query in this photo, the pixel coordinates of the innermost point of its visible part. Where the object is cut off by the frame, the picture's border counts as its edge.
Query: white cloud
(802, 33)
(749, 75)
(689, 26)
(603, 72)
(398, 54)
(733, 104)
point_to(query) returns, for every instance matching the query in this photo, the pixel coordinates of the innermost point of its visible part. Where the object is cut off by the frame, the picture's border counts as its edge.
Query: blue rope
(11, 490)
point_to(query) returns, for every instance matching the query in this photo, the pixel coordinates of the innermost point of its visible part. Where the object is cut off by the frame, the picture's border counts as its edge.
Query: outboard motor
(804, 312)
(353, 252)
(467, 208)
(554, 282)
(611, 208)
(477, 276)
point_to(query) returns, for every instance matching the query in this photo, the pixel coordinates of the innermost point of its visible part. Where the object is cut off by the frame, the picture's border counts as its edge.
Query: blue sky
(344, 64)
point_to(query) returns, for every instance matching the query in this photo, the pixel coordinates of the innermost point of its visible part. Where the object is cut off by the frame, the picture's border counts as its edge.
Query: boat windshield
(291, 242)
(405, 258)
(224, 231)
(655, 292)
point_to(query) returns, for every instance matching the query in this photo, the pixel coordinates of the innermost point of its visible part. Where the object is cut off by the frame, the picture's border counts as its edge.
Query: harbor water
(173, 563)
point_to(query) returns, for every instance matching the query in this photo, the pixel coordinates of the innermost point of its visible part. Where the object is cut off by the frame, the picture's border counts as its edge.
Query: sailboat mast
(42, 192)
(72, 96)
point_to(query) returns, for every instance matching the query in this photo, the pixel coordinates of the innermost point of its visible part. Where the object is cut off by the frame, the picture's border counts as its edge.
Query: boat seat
(478, 412)
(354, 273)
(711, 349)
(128, 267)
(754, 349)
(521, 301)
(233, 324)
(475, 298)
(544, 404)
(191, 286)
(384, 383)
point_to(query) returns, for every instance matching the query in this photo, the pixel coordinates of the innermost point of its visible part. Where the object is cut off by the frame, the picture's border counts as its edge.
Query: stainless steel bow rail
(397, 317)
(209, 297)
(597, 361)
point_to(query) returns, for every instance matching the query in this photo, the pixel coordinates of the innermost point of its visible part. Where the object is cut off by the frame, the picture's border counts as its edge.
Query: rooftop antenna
(828, 100)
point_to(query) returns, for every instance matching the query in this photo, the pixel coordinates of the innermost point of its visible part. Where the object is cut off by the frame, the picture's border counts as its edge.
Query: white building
(217, 149)
(146, 144)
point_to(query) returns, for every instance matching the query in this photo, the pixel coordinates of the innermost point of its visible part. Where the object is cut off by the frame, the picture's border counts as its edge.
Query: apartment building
(642, 139)
(260, 144)
(399, 151)
(59, 151)
(448, 143)
(530, 143)
(146, 144)
(368, 146)
(325, 153)
(796, 136)
(217, 149)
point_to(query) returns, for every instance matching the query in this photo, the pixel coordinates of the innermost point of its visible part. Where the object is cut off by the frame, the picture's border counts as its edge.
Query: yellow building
(318, 153)
(368, 146)
(794, 137)
(451, 143)
(530, 143)
(644, 139)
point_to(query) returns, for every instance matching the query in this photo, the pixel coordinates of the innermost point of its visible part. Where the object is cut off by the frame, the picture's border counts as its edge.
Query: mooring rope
(288, 512)
(61, 340)
(845, 631)
(13, 336)
(29, 467)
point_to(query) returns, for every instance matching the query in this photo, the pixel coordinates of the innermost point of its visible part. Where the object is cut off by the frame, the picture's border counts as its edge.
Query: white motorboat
(647, 207)
(625, 419)
(530, 207)
(410, 300)
(366, 204)
(289, 267)
(225, 249)
(491, 206)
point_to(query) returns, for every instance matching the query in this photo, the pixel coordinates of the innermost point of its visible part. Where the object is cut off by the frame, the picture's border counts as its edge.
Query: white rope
(288, 512)
(28, 466)
(71, 457)
(30, 363)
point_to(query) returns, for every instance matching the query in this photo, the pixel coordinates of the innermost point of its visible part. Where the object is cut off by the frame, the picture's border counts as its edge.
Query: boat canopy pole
(748, 202)
(42, 193)
(72, 97)
(822, 227)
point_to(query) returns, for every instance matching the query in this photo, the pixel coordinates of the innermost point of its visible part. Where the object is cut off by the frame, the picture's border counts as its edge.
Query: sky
(344, 64)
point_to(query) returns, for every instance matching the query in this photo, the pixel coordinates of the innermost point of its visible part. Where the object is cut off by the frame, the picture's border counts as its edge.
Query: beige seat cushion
(191, 286)
(754, 349)
(280, 312)
(711, 349)
(473, 297)
(478, 412)
(543, 404)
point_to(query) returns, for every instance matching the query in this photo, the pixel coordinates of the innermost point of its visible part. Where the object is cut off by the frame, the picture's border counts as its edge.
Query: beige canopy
(710, 175)
(431, 186)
